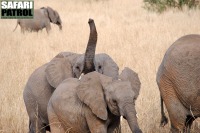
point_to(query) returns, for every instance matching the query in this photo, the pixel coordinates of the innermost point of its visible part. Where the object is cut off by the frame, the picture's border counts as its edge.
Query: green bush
(161, 5)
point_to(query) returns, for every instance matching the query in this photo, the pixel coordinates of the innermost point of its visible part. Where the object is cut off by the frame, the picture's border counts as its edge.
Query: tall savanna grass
(131, 35)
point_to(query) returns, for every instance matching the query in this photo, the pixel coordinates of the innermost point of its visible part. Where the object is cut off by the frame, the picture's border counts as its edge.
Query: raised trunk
(130, 115)
(90, 50)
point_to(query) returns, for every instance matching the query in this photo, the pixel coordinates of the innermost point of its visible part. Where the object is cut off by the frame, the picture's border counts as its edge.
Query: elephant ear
(90, 92)
(131, 76)
(57, 70)
(106, 65)
(59, 21)
(105, 80)
(42, 8)
(52, 15)
(64, 54)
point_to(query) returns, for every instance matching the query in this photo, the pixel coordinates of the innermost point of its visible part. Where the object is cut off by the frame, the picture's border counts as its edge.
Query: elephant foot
(164, 121)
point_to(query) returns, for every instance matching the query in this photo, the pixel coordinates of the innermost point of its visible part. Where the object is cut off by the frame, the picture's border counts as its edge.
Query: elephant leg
(164, 119)
(35, 123)
(31, 128)
(95, 124)
(177, 112)
(177, 116)
(54, 123)
(36, 126)
(22, 30)
(115, 126)
(188, 123)
(48, 28)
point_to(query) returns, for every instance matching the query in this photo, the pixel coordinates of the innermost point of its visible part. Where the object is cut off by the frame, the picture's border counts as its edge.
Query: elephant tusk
(81, 76)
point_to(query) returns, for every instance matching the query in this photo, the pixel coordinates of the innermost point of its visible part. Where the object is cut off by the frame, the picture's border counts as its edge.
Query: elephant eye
(115, 102)
(77, 67)
(99, 67)
(134, 98)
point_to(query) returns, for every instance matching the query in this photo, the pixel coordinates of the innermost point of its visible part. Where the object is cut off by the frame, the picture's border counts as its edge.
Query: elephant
(42, 19)
(178, 79)
(94, 103)
(43, 81)
(46, 78)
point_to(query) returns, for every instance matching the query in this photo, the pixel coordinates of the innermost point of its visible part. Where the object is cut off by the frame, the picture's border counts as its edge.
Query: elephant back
(40, 13)
(72, 57)
(181, 65)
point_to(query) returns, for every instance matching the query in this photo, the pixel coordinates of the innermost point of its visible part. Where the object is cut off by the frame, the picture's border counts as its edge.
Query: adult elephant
(43, 81)
(79, 105)
(42, 19)
(178, 79)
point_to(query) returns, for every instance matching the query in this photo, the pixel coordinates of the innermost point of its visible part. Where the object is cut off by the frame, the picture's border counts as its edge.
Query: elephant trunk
(130, 114)
(59, 23)
(60, 27)
(90, 50)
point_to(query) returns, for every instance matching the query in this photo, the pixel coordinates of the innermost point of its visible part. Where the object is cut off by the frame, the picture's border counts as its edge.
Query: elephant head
(78, 66)
(54, 17)
(120, 95)
(105, 65)
(63, 65)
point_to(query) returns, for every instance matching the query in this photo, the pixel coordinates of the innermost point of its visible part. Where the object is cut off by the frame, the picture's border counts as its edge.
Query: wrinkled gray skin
(43, 81)
(178, 79)
(79, 106)
(42, 19)
(104, 64)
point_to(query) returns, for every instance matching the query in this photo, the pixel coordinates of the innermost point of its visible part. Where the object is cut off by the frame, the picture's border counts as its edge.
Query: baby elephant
(80, 106)
(42, 19)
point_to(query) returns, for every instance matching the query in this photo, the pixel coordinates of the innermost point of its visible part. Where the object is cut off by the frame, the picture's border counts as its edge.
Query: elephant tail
(16, 25)
(29, 126)
(164, 119)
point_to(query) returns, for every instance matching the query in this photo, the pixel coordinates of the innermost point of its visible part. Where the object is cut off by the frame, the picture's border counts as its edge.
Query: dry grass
(132, 36)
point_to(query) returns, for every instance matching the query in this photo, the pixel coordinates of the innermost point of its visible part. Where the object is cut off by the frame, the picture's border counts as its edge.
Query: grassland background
(132, 36)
